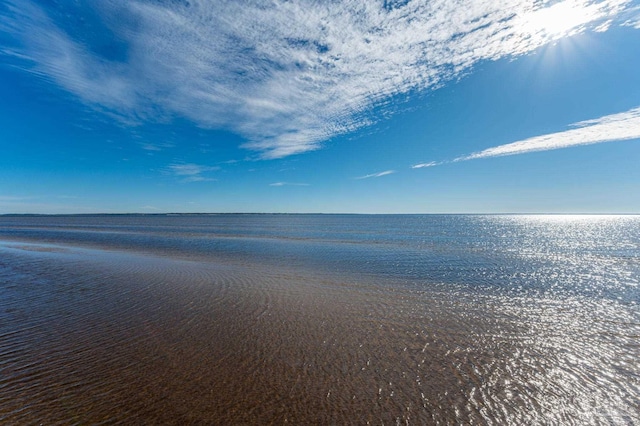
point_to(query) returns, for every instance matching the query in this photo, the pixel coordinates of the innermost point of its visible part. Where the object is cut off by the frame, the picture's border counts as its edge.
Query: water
(322, 319)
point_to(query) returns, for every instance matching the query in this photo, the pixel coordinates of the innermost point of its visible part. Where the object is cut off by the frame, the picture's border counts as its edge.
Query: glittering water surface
(328, 319)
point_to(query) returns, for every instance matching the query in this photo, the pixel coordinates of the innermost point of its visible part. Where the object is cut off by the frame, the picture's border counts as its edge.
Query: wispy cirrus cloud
(375, 175)
(634, 19)
(288, 184)
(609, 128)
(285, 75)
(190, 172)
(155, 146)
(423, 165)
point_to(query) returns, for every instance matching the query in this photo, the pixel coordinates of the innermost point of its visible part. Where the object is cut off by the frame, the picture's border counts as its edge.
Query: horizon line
(327, 214)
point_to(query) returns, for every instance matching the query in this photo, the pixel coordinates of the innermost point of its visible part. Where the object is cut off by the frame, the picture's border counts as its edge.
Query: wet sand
(95, 336)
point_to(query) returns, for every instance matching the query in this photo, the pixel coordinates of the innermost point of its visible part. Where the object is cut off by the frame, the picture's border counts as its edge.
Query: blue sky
(349, 106)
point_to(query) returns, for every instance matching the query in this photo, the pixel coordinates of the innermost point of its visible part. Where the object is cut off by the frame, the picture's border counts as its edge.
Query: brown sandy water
(106, 337)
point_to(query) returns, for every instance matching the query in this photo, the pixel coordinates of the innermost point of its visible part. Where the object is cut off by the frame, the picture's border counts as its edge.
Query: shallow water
(320, 319)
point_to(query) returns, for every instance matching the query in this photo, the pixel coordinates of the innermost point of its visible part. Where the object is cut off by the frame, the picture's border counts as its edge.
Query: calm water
(320, 319)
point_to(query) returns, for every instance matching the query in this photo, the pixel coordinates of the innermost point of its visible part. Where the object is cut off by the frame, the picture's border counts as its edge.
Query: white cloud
(423, 165)
(634, 17)
(375, 175)
(155, 147)
(190, 172)
(190, 169)
(285, 75)
(288, 184)
(603, 27)
(197, 178)
(610, 128)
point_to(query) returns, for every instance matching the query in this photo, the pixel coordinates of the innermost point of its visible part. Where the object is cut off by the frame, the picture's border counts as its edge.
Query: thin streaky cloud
(155, 147)
(197, 178)
(190, 169)
(423, 165)
(375, 175)
(287, 76)
(288, 184)
(609, 128)
(190, 172)
(634, 18)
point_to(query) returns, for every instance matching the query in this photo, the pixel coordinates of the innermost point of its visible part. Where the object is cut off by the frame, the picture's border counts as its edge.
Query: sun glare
(559, 20)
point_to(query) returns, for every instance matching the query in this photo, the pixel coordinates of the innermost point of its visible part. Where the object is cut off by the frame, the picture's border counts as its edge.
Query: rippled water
(320, 319)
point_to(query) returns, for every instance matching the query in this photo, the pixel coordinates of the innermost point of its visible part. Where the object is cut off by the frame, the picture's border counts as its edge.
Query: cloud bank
(284, 75)
(610, 128)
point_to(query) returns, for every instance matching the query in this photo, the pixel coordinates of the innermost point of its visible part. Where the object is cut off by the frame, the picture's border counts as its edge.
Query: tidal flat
(307, 319)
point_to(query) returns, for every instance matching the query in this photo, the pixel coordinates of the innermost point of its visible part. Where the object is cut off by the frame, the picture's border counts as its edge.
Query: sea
(320, 319)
